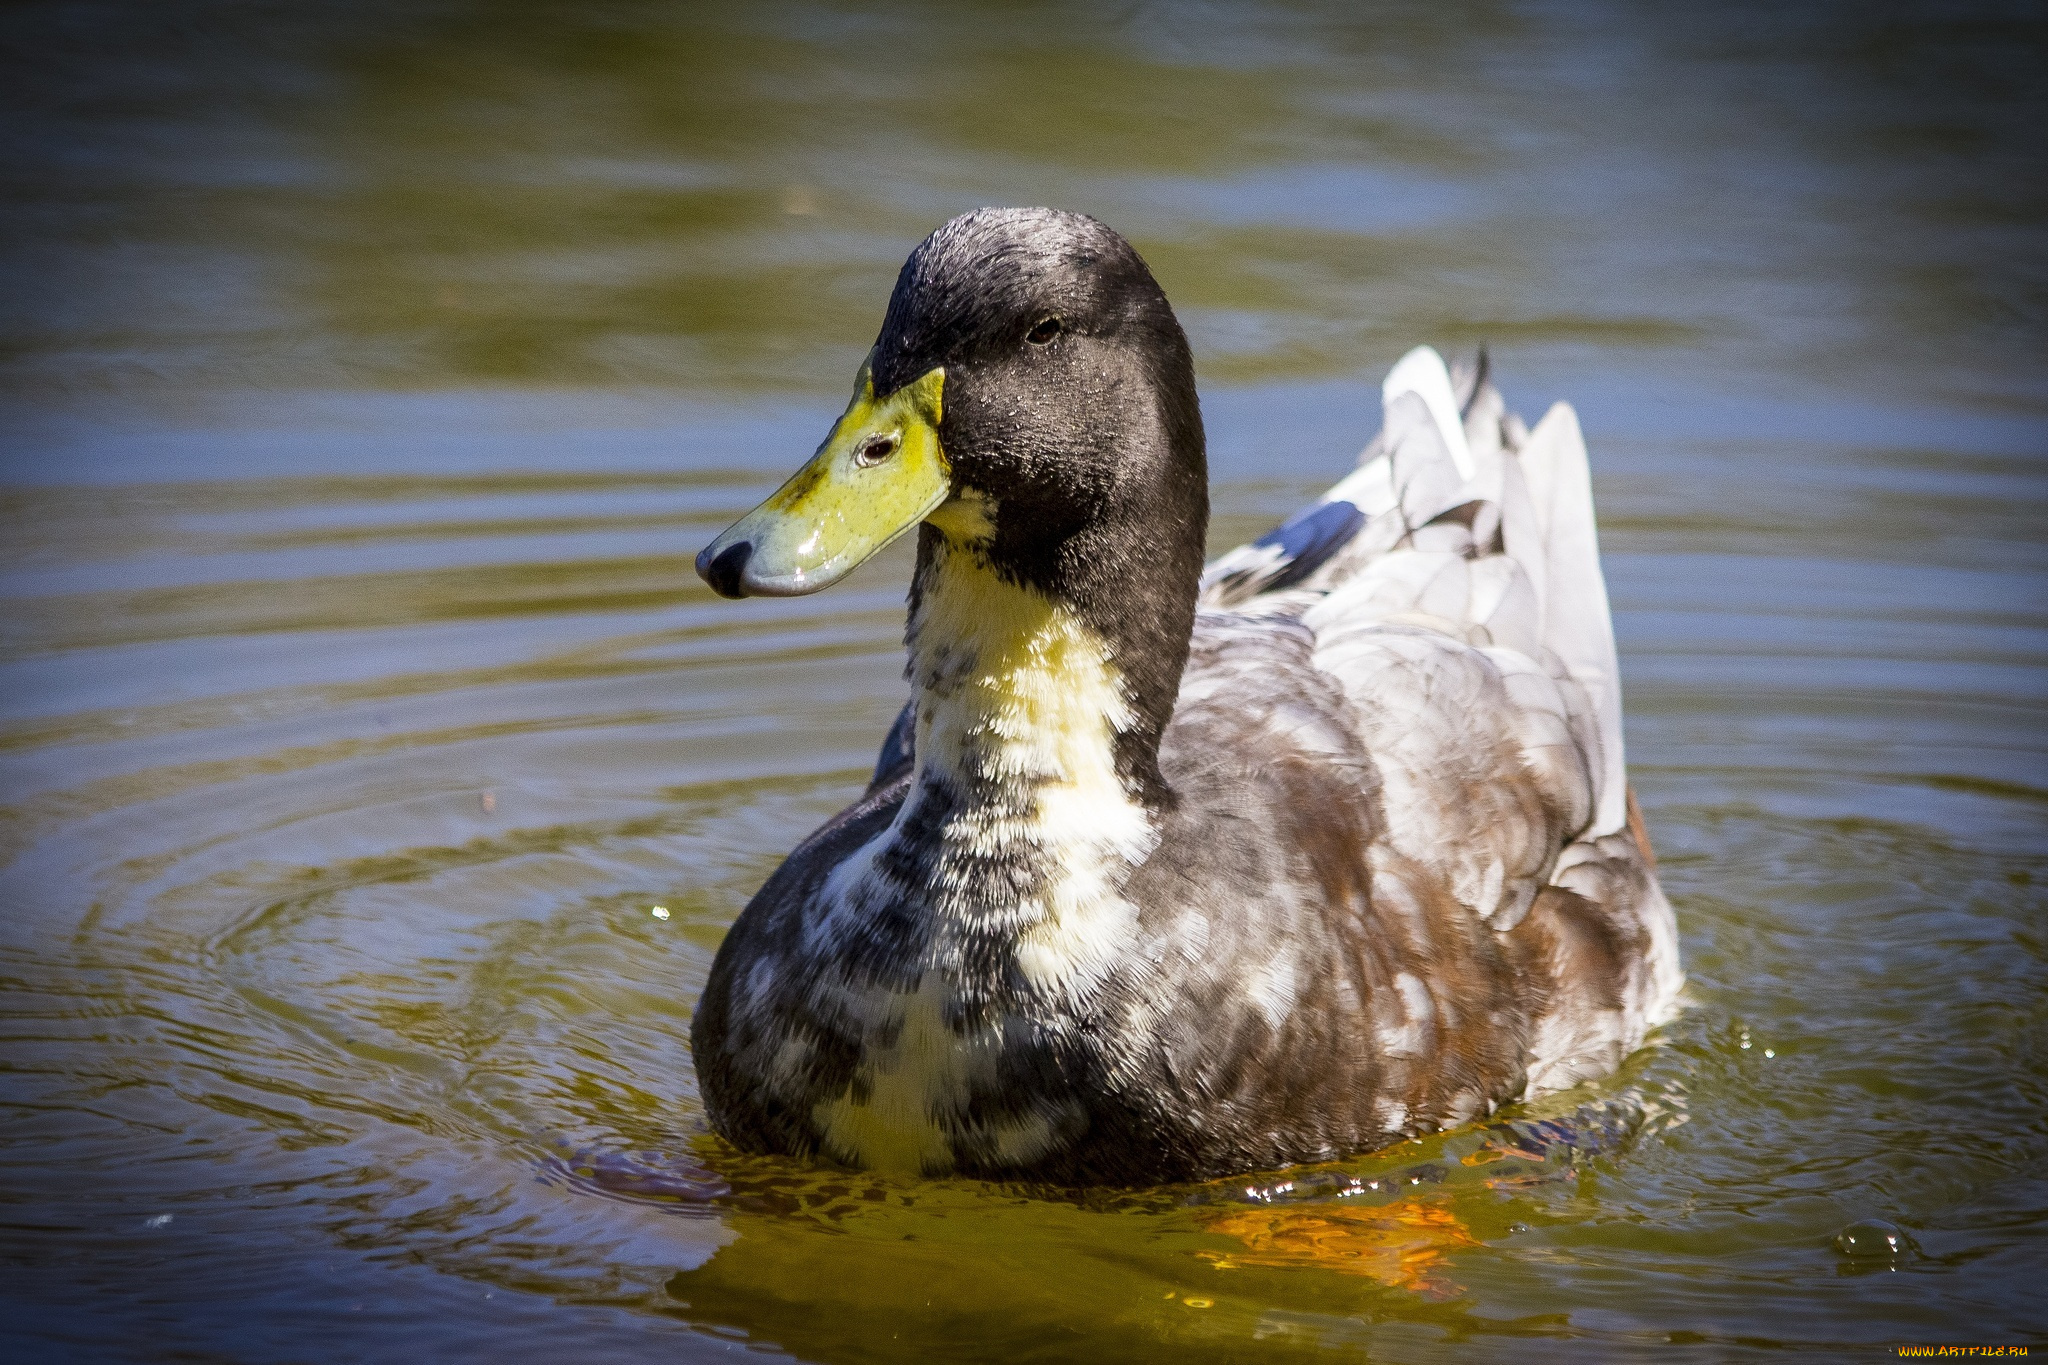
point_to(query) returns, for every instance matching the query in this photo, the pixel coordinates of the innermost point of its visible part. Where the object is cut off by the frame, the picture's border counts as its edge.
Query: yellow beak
(879, 473)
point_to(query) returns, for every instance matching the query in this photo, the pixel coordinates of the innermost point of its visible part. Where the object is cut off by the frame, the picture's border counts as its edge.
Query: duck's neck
(1037, 784)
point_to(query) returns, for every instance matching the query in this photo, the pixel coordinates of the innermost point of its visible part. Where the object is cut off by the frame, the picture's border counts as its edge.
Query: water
(372, 375)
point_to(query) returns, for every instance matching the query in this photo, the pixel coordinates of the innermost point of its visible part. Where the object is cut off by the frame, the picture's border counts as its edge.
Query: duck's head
(1030, 396)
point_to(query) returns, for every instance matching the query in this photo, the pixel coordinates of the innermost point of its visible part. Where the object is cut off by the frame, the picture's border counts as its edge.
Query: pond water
(373, 373)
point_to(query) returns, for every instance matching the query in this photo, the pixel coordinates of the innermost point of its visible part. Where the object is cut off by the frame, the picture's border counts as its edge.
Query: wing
(1465, 618)
(1460, 521)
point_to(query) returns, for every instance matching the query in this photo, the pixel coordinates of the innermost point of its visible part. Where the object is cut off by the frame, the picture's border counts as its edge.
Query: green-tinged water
(372, 374)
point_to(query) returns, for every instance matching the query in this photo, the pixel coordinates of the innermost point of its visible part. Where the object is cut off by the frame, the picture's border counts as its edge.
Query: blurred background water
(371, 373)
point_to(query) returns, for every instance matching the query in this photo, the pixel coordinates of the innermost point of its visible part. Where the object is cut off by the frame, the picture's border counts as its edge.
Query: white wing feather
(1466, 621)
(1476, 528)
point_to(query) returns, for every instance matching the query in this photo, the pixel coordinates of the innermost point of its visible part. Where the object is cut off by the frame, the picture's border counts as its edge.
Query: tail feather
(1577, 626)
(1417, 468)
(1422, 372)
(1452, 473)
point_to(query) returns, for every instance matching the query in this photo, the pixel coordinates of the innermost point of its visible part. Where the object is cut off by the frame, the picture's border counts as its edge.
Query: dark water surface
(372, 374)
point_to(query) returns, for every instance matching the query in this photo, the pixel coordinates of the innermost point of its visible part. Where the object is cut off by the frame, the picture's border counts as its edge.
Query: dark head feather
(1070, 401)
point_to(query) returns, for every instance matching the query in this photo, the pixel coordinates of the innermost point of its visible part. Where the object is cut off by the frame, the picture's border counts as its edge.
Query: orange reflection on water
(1404, 1245)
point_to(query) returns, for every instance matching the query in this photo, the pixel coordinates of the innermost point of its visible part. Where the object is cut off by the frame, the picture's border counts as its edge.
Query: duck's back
(1402, 882)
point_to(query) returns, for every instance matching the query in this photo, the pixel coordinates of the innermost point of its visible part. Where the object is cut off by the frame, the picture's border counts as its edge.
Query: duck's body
(1155, 893)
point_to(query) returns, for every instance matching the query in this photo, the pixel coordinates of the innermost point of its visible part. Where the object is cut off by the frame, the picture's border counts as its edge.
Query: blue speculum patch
(1310, 537)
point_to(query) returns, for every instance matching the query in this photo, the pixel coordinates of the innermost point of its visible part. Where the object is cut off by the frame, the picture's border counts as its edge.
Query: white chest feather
(1018, 708)
(1014, 691)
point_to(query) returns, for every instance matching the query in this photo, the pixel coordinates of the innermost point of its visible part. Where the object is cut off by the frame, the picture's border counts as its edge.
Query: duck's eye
(1043, 331)
(876, 449)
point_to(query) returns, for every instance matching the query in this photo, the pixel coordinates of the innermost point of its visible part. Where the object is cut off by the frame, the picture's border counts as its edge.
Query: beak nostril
(723, 572)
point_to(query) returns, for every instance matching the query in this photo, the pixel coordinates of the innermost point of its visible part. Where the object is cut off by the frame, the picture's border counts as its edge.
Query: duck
(1171, 870)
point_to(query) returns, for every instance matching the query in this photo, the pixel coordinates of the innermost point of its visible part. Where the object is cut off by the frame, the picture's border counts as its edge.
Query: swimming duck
(1165, 872)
